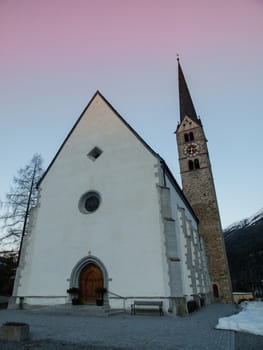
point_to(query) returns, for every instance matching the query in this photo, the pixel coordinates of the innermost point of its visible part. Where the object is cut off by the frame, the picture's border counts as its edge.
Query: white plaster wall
(177, 202)
(124, 233)
(187, 290)
(180, 213)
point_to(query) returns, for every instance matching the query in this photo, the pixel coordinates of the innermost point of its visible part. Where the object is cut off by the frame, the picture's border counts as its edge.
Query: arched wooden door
(90, 278)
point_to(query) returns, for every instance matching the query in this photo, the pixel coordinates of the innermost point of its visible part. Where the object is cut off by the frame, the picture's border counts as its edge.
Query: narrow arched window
(186, 137)
(191, 165)
(191, 136)
(196, 163)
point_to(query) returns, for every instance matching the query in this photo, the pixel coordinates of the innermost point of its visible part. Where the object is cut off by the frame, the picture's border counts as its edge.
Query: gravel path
(195, 332)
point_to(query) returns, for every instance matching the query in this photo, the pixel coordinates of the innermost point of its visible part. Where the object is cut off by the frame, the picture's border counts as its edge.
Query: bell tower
(199, 189)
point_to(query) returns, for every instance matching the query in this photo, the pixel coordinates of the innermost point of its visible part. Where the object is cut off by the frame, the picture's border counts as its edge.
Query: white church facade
(110, 214)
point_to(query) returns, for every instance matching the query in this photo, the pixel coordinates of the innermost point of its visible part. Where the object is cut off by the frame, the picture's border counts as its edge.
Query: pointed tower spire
(186, 103)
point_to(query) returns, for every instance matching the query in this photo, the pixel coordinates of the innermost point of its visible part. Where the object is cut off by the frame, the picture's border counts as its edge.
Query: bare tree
(19, 201)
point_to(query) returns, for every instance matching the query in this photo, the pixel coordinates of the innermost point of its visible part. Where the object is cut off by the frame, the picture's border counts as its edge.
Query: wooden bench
(146, 305)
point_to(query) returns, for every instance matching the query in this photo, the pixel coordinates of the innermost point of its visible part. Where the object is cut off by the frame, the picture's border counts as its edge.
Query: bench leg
(161, 310)
(132, 309)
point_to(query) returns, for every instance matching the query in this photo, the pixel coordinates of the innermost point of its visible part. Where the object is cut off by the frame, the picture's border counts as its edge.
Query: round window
(89, 202)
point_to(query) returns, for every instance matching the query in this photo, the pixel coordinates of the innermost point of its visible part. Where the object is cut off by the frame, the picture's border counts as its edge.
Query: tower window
(196, 164)
(193, 164)
(190, 165)
(188, 136)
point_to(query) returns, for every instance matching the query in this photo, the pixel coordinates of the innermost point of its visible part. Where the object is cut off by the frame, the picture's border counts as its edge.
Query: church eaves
(186, 104)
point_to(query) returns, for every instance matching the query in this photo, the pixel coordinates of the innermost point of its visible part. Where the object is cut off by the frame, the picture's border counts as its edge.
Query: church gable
(99, 129)
(187, 124)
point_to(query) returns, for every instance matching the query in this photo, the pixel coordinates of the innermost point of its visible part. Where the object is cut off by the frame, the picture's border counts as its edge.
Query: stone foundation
(180, 306)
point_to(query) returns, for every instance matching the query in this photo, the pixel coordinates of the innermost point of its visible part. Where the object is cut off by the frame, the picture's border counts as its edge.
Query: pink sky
(46, 34)
(56, 53)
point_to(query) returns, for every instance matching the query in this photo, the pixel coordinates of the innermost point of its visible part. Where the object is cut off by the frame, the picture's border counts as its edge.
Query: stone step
(78, 310)
(116, 312)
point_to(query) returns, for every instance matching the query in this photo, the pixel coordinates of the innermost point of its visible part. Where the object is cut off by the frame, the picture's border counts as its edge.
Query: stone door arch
(89, 273)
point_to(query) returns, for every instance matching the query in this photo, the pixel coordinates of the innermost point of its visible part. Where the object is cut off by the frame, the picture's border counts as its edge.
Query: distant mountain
(245, 222)
(244, 248)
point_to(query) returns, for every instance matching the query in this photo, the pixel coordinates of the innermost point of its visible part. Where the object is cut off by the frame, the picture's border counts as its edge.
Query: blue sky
(56, 54)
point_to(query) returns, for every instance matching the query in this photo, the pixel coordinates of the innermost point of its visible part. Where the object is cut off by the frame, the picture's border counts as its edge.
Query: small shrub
(73, 290)
(101, 290)
(192, 306)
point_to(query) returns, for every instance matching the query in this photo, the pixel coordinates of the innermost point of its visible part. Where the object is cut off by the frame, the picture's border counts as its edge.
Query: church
(111, 218)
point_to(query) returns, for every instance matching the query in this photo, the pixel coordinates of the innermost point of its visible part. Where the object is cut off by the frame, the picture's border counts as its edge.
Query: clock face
(191, 150)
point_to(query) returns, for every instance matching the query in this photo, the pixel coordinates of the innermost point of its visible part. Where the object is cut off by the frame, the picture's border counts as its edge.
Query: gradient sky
(55, 54)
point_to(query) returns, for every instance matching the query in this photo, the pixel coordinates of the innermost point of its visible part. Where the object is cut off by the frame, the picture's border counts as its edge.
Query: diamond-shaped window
(94, 153)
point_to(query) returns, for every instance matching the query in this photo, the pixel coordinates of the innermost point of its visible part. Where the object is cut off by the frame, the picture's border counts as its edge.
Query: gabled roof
(97, 93)
(165, 166)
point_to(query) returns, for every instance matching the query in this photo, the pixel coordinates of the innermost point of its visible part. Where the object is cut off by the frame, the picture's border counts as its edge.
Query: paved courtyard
(52, 331)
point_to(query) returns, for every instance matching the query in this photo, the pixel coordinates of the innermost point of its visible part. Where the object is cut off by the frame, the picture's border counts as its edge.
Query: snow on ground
(250, 319)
